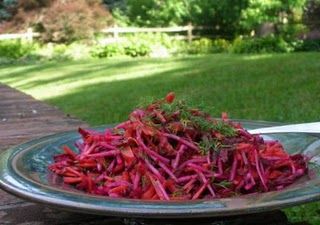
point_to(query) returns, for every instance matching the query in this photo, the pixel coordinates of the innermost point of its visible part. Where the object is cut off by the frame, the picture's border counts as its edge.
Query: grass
(281, 87)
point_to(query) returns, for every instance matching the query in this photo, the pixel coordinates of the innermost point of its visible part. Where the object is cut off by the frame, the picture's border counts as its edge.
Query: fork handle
(311, 128)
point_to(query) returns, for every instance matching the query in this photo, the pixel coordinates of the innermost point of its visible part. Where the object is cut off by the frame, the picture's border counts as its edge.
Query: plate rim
(6, 174)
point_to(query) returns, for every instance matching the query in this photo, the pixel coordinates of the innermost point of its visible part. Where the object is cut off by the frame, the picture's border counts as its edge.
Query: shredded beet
(169, 151)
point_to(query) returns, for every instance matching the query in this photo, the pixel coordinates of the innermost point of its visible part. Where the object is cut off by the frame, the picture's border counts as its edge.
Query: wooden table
(23, 118)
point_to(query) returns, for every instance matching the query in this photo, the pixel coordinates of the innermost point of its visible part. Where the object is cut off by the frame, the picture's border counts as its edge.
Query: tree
(152, 12)
(60, 20)
(111, 4)
(276, 12)
(312, 14)
(6, 8)
(67, 21)
(224, 16)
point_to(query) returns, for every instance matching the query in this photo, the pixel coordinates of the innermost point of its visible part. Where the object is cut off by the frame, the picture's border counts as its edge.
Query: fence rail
(144, 29)
(29, 35)
(115, 31)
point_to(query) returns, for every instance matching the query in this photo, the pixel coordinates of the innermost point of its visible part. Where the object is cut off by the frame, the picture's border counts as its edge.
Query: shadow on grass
(24, 76)
(278, 87)
(27, 70)
(266, 88)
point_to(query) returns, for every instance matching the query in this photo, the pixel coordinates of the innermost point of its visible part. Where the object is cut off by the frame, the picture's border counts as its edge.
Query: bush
(78, 50)
(135, 45)
(307, 46)
(106, 51)
(6, 61)
(135, 50)
(260, 45)
(201, 46)
(206, 46)
(67, 21)
(59, 21)
(52, 51)
(153, 41)
(15, 49)
(74, 51)
(220, 45)
(122, 48)
(142, 44)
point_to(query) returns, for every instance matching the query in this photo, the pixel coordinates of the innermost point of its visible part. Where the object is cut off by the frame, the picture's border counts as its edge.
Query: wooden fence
(29, 35)
(116, 31)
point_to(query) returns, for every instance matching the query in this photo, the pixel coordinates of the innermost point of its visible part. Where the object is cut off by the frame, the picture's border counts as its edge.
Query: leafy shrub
(122, 48)
(307, 46)
(59, 49)
(220, 45)
(260, 45)
(67, 21)
(15, 49)
(201, 46)
(136, 45)
(59, 21)
(6, 61)
(152, 39)
(292, 31)
(106, 51)
(206, 46)
(74, 51)
(53, 51)
(142, 44)
(135, 50)
(78, 50)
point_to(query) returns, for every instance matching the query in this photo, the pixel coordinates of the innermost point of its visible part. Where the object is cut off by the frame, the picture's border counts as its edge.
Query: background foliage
(311, 14)
(6, 7)
(223, 16)
(228, 18)
(58, 20)
(61, 19)
(236, 26)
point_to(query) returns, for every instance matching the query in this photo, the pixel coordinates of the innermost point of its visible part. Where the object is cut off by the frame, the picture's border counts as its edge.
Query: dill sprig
(188, 118)
(224, 184)
(208, 144)
(175, 106)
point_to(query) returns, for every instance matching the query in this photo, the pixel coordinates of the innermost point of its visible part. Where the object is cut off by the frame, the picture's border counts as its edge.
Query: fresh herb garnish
(224, 184)
(188, 118)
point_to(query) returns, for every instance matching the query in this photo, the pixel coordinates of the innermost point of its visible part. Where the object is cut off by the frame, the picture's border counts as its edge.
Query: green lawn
(281, 87)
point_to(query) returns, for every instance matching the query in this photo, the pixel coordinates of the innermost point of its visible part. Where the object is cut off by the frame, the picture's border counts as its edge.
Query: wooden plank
(23, 118)
(29, 35)
(143, 29)
(151, 29)
(18, 36)
(35, 214)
